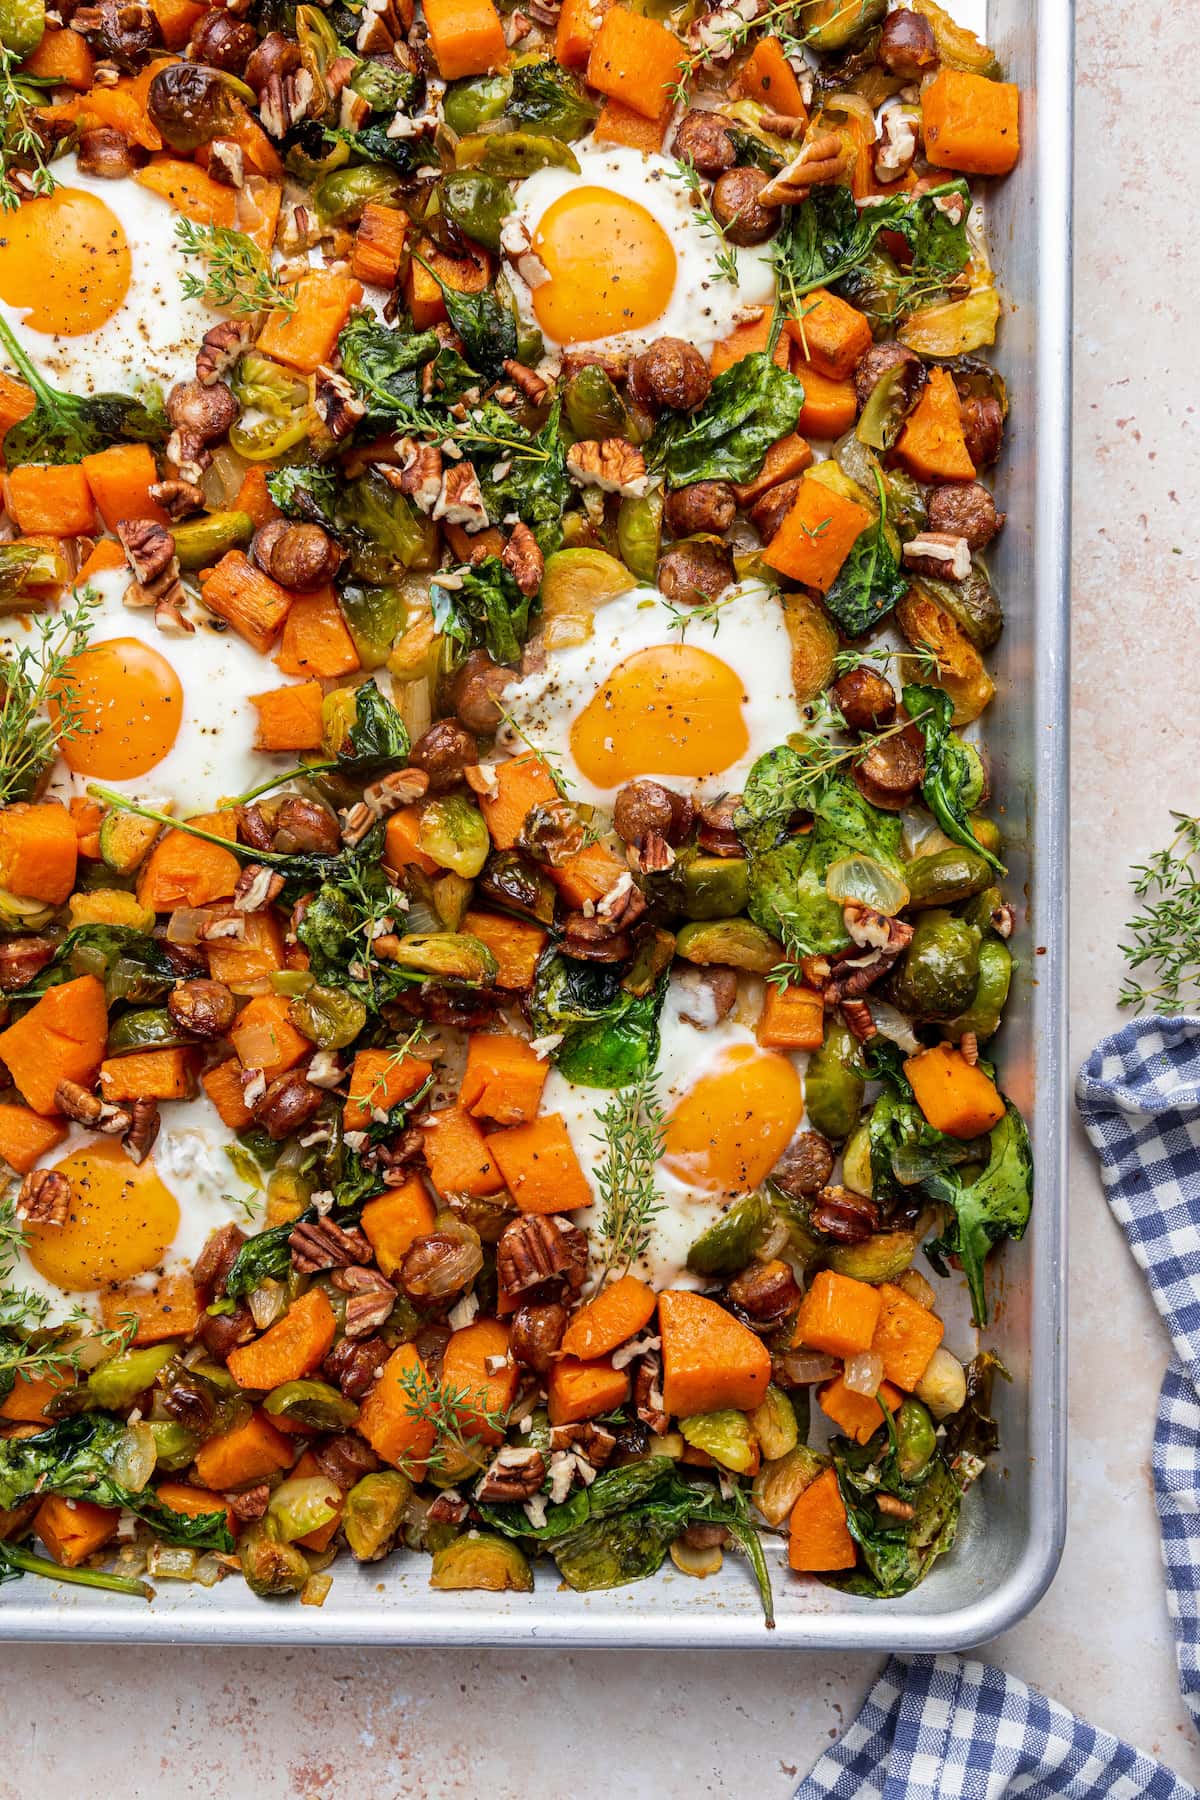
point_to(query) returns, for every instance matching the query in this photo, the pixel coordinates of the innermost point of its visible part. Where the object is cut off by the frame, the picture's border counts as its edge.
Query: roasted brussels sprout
(200, 542)
(375, 617)
(374, 1509)
(328, 1017)
(477, 101)
(593, 407)
(450, 955)
(987, 1005)
(878, 1258)
(715, 887)
(301, 1504)
(945, 877)
(270, 1566)
(513, 154)
(834, 1083)
(116, 1384)
(936, 976)
(832, 24)
(639, 533)
(781, 1481)
(477, 204)
(341, 196)
(452, 831)
(312, 1403)
(724, 1435)
(517, 885)
(275, 403)
(916, 1439)
(774, 1424)
(191, 104)
(480, 1561)
(728, 1245)
(739, 943)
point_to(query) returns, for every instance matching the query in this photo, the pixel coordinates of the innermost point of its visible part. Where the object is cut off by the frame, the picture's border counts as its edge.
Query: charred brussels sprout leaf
(131, 965)
(382, 529)
(64, 428)
(972, 1434)
(750, 407)
(950, 787)
(545, 98)
(728, 1245)
(488, 610)
(385, 366)
(75, 1458)
(384, 85)
(869, 582)
(378, 739)
(609, 1037)
(994, 1206)
(304, 491)
(897, 1554)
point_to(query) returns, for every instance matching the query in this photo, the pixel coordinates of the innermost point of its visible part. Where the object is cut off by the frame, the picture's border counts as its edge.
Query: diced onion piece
(315, 1590)
(861, 878)
(943, 1386)
(266, 1303)
(800, 1368)
(891, 1023)
(135, 1457)
(864, 1372)
(171, 1562)
(186, 923)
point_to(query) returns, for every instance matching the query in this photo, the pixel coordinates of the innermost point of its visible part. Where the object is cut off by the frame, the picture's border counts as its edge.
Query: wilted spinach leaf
(534, 484)
(378, 739)
(996, 1205)
(486, 326)
(869, 582)
(750, 407)
(488, 610)
(609, 1037)
(64, 428)
(950, 773)
(385, 366)
(827, 238)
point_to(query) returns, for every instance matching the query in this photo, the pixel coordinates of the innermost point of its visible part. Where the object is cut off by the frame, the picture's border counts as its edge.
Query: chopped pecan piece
(370, 1299)
(857, 1015)
(318, 1244)
(251, 1504)
(595, 1443)
(336, 403)
(938, 553)
(822, 163)
(448, 1509)
(44, 1198)
(537, 1248)
(513, 1474)
(460, 498)
(256, 887)
(285, 100)
(219, 349)
(420, 473)
(647, 1393)
(522, 557)
(529, 382)
(611, 464)
(178, 499)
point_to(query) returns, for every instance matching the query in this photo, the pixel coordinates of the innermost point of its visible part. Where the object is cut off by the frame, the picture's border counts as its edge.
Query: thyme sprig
(633, 1127)
(20, 140)
(1164, 937)
(236, 273)
(709, 613)
(924, 661)
(706, 221)
(14, 1561)
(36, 673)
(449, 1407)
(470, 433)
(730, 34)
(23, 1314)
(554, 769)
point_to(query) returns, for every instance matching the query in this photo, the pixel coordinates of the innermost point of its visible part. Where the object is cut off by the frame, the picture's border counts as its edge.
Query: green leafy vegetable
(951, 772)
(609, 1037)
(378, 739)
(897, 1553)
(64, 428)
(750, 407)
(827, 238)
(385, 366)
(996, 1205)
(132, 965)
(75, 1458)
(488, 609)
(546, 98)
(870, 582)
(487, 327)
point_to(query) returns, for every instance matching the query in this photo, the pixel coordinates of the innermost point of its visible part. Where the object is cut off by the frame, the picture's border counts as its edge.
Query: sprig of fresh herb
(725, 259)
(709, 613)
(23, 1315)
(924, 661)
(445, 1405)
(554, 769)
(633, 1127)
(236, 273)
(20, 140)
(1165, 935)
(37, 672)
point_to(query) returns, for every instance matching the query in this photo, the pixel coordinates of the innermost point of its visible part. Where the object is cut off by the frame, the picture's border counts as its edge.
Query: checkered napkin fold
(937, 1727)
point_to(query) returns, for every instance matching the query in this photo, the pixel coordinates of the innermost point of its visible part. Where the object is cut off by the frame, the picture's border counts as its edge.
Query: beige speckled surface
(432, 1724)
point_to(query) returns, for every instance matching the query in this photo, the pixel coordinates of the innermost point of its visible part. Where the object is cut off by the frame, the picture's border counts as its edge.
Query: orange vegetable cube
(956, 1096)
(249, 1453)
(265, 1038)
(120, 479)
(588, 875)
(61, 1038)
(388, 1420)
(27, 1399)
(832, 335)
(316, 640)
(819, 1540)
(768, 77)
(182, 870)
(396, 1219)
(710, 1359)
(459, 1157)
(400, 846)
(516, 944)
(170, 1309)
(379, 245)
(616, 1314)
(289, 718)
(148, 1075)
(744, 340)
(857, 1415)
(817, 535)
(575, 33)
(25, 1137)
(63, 57)
(246, 964)
(379, 1081)
(239, 592)
(39, 851)
(792, 1018)
(306, 337)
(784, 461)
(503, 1079)
(837, 1315)
(176, 19)
(830, 407)
(522, 783)
(932, 444)
(223, 1085)
(906, 1336)
(291, 1348)
(467, 37)
(189, 190)
(73, 1530)
(467, 274)
(582, 1390)
(54, 500)
(970, 123)
(477, 1360)
(194, 1502)
(16, 400)
(619, 124)
(540, 1168)
(635, 60)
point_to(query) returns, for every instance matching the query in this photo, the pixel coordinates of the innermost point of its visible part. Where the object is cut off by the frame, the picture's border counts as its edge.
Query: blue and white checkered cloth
(938, 1727)
(941, 1728)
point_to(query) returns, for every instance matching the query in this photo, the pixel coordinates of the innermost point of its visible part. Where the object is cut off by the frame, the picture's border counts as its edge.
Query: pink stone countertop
(439, 1725)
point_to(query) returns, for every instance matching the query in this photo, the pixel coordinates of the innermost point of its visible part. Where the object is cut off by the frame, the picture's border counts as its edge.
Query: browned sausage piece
(983, 428)
(890, 772)
(223, 42)
(768, 514)
(805, 1166)
(907, 45)
(865, 698)
(695, 571)
(736, 209)
(106, 153)
(644, 806)
(702, 138)
(704, 506)
(670, 372)
(965, 509)
(877, 362)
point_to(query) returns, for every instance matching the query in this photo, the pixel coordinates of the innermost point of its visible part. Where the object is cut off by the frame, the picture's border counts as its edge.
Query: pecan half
(857, 1015)
(527, 380)
(821, 163)
(611, 464)
(143, 1130)
(370, 1299)
(537, 1248)
(353, 1364)
(595, 1443)
(178, 499)
(219, 349)
(318, 1244)
(420, 473)
(460, 498)
(149, 548)
(336, 403)
(78, 1103)
(522, 557)
(44, 1198)
(256, 887)
(251, 1504)
(513, 1474)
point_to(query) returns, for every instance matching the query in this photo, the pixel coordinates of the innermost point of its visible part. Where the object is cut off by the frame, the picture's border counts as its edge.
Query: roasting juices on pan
(502, 922)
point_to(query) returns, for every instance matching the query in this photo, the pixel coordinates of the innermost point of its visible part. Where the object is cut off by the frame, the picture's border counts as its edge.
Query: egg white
(687, 1053)
(747, 633)
(702, 308)
(213, 756)
(155, 332)
(189, 1157)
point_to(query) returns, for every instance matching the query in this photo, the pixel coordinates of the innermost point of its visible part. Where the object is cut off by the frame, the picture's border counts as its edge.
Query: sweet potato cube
(635, 60)
(388, 1419)
(933, 445)
(516, 944)
(503, 1079)
(582, 1390)
(460, 1158)
(906, 1336)
(395, 1220)
(540, 1167)
(249, 1453)
(792, 1018)
(832, 335)
(837, 1315)
(306, 337)
(817, 534)
(467, 37)
(379, 1081)
(970, 123)
(819, 1540)
(956, 1096)
(170, 1309)
(289, 718)
(60, 1039)
(710, 1359)
(73, 1530)
(477, 1361)
(618, 1313)
(857, 1415)
(265, 1038)
(522, 783)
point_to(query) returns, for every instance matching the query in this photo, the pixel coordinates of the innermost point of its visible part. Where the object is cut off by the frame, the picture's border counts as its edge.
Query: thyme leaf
(1164, 936)
(633, 1126)
(36, 674)
(236, 273)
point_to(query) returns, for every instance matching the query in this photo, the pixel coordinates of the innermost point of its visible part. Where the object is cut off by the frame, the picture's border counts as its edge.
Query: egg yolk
(127, 703)
(728, 1131)
(610, 264)
(670, 710)
(121, 1223)
(66, 259)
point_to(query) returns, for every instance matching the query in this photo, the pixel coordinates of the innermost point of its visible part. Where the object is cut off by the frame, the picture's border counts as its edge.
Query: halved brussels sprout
(834, 1083)
(728, 1245)
(341, 196)
(24, 566)
(451, 898)
(275, 403)
(955, 327)
(781, 1481)
(22, 26)
(319, 47)
(916, 1439)
(973, 602)
(943, 1386)
(327, 1017)
(116, 1384)
(814, 642)
(946, 876)
(481, 1561)
(574, 583)
(191, 104)
(984, 1013)
(301, 1504)
(20, 914)
(832, 24)
(270, 1566)
(513, 154)
(878, 1258)
(936, 976)
(715, 887)
(199, 542)
(593, 407)
(313, 1403)
(454, 833)
(738, 943)
(639, 534)
(699, 1561)
(958, 47)
(652, 958)
(450, 955)
(175, 1446)
(928, 625)
(517, 885)
(774, 1424)
(477, 204)
(476, 101)
(375, 618)
(374, 1510)
(856, 1161)
(150, 1028)
(124, 841)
